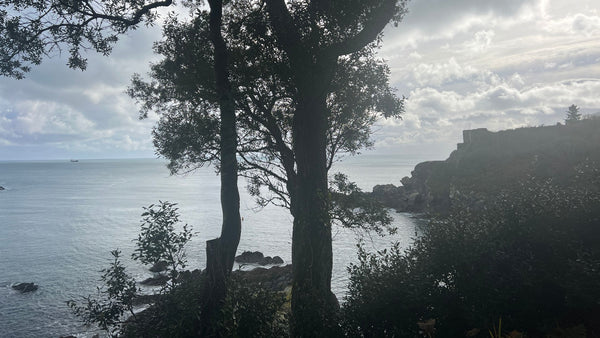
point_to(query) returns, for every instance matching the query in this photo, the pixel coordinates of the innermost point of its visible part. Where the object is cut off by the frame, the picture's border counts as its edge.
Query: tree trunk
(314, 307)
(220, 252)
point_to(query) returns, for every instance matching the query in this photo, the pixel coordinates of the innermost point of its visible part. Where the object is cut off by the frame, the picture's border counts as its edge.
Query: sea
(59, 221)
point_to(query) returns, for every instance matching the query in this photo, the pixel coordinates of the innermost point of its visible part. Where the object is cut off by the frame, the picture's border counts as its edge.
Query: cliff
(487, 162)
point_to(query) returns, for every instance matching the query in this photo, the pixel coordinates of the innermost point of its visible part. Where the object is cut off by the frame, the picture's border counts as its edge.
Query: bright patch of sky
(461, 64)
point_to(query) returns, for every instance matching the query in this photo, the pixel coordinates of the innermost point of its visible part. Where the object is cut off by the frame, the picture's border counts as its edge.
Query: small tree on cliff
(573, 114)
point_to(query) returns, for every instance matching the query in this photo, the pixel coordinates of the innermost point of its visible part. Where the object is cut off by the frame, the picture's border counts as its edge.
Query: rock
(250, 257)
(155, 281)
(257, 257)
(276, 278)
(25, 287)
(271, 260)
(1, 187)
(277, 260)
(159, 266)
(266, 261)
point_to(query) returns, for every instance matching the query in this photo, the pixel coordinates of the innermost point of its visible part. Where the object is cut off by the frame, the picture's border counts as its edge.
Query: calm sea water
(60, 220)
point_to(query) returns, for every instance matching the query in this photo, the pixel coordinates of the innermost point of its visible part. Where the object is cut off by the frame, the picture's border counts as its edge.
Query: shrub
(115, 298)
(253, 311)
(157, 242)
(529, 256)
(175, 313)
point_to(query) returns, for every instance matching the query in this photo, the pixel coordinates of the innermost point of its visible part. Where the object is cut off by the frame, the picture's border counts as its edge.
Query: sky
(460, 64)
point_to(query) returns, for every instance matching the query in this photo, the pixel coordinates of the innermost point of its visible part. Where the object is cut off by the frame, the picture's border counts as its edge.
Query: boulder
(250, 257)
(271, 260)
(277, 260)
(159, 266)
(276, 278)
(1, 187)
(25, 287)
(257, 257)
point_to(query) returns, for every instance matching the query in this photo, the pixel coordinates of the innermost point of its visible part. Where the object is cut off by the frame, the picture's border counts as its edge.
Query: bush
(176, 312)
(253, 311)
(114, 299)
(529, 256)
(157, 242)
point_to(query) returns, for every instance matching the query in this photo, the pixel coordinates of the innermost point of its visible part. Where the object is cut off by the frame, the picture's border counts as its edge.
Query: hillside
(489, 162)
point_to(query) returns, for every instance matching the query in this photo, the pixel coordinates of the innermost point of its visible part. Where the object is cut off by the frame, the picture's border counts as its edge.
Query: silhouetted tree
(180, 92)
(220, 252)
(314, 36)
(573, 114)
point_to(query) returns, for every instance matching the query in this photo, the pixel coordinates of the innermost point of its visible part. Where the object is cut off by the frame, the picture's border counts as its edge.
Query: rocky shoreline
(275, 278)
(487, 162)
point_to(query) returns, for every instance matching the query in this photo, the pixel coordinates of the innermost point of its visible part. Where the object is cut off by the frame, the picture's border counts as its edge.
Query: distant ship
(74, 160)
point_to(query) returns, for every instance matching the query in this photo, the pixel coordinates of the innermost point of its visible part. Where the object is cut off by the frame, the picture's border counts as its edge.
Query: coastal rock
(271, 260)
(25, 287)
(155, 281)
(1, 188)
(277, 260)
(390, 196)
(257, 257)
(250, 257)
(159, 266)
(277, 278)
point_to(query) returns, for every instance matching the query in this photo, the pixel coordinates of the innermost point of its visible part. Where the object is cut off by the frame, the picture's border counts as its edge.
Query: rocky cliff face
(487, 162)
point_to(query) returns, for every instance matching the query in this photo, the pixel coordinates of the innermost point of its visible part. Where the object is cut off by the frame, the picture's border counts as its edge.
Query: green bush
(529, 256)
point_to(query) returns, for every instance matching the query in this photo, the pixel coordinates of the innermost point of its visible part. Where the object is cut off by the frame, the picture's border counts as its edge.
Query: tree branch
(379, 18)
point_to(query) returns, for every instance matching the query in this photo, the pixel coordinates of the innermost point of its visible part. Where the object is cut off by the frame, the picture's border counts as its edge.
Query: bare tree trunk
(220, 252)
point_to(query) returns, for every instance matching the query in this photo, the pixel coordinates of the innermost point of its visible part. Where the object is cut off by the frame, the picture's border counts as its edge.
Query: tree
(530, 256)
(314, 35)
(220, 252)
(180, 92)
(573, 114)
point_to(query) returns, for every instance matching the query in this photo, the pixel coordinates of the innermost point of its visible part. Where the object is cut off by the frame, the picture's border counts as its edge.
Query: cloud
(80, 111)
(490, 64)
(462, 64)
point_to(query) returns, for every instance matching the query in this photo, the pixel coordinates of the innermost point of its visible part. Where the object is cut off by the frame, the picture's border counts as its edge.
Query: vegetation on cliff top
(488, 162)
